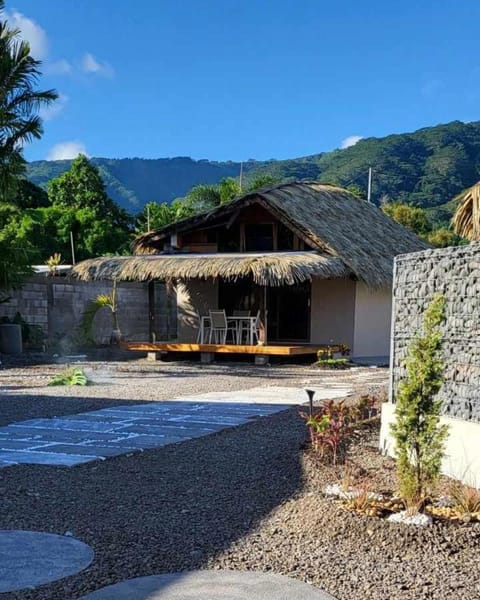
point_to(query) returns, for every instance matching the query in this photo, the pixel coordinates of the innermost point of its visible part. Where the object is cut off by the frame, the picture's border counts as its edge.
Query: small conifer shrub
(419, 436)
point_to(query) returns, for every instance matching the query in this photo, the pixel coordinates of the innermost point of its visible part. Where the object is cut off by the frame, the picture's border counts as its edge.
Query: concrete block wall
(454, 272)
(56, 304)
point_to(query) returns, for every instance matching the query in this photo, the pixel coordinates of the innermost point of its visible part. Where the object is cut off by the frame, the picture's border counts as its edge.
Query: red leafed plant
(330, 424)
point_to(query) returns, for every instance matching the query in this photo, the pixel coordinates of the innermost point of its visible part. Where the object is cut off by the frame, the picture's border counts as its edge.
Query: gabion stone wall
(454, 272)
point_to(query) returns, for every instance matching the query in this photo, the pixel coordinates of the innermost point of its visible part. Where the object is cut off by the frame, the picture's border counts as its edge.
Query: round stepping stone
(31, 558)
(210, 585)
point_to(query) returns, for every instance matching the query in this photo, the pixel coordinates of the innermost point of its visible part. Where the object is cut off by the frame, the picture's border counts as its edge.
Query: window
(259, 237)
(229, 239)
(285, 238)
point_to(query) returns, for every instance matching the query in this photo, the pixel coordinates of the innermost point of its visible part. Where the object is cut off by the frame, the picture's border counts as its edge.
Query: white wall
(373, 312)
(332, 311)
(196, 295)
(461, 460)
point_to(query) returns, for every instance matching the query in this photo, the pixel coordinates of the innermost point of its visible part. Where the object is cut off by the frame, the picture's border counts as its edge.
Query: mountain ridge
(425, 168)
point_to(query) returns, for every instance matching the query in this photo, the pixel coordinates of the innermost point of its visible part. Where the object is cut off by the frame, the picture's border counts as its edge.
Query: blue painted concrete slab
(45, 458)
(99, 452)
(7, 444)
(32, 558)
(95, 435)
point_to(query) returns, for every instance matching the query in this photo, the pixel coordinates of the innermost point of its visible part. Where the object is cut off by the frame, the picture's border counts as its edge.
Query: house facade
(314, 259)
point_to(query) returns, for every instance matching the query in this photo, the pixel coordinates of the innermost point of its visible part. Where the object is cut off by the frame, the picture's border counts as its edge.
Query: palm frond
(71, 376)
(93, 307)
(466, 220)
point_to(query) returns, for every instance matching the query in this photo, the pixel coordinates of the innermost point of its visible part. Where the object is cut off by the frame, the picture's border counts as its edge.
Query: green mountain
(132, 182)
(425, 168)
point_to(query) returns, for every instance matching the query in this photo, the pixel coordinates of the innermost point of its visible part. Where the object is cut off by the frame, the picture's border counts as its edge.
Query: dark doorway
(289, 313)
(288, 307)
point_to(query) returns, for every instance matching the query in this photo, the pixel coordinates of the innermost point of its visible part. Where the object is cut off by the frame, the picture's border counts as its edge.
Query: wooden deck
(269, 350)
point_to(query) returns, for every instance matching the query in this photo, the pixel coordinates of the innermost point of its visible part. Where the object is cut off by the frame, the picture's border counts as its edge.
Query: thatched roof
(466, 220)
(268, 268)
(328, 218)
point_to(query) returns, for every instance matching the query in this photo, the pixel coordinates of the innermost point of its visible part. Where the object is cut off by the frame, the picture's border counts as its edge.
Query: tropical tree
(411, 217)
(442, 237)
(84, 210)
(466, 220)
(200, 198)
(156, 214)
(20, 103)
(207, 196)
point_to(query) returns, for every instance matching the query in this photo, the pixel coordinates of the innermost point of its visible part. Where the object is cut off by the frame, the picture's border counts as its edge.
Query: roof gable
(330, 218)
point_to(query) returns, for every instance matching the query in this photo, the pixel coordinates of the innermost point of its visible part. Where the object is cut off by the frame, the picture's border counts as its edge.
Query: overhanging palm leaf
(466, 220)
(20, 102)
(101, 301)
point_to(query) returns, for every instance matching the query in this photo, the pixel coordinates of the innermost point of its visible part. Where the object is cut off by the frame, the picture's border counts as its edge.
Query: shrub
(108, 301)
(466, 498)
(70, 376)
(331, 424)
(419, 437)
(333, 363)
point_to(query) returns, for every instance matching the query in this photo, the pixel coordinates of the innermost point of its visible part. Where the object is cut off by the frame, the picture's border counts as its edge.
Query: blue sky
(232, 80)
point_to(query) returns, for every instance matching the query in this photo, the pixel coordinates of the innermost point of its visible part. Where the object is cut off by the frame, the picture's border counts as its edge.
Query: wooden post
(151, 311)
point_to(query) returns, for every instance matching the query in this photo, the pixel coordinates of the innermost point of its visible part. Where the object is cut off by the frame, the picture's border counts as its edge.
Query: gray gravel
(246, 498)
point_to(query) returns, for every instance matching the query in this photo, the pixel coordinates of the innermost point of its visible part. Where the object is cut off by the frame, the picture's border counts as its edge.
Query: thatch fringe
(466, 220)
(327, 218)
(271, 269)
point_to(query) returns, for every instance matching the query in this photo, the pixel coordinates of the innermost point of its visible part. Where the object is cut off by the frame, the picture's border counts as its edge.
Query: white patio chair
(220, 328)
(256, 329)
(203, 327)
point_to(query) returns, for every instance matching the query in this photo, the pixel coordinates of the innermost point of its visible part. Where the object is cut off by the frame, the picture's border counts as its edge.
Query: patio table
(250, 327)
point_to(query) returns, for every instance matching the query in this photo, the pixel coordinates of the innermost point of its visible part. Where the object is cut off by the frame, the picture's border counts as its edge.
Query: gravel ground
(24, 393)
(245, 498)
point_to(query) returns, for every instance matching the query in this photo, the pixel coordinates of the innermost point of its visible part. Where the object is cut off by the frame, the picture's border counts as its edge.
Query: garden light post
(310, 394)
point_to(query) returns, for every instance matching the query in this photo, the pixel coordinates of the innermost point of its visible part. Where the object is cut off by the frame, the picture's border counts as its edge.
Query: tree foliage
(423, 169)
(20, 103)
(411, 217)
(200, 198)
(419, 436)
(79, 204)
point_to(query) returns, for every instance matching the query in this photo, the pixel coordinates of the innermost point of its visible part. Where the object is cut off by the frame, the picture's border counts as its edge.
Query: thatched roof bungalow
(316, 256)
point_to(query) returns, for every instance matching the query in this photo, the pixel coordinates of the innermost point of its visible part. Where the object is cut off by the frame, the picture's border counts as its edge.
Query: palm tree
(466, 220)
(20, 103)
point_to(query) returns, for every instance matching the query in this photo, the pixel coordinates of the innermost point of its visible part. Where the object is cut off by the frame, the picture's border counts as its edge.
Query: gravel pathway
(246, 498)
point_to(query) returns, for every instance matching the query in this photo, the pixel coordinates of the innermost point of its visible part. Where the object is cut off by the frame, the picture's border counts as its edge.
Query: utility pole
(148, 218)
(73, 247)
(369, 189)
(241, 175)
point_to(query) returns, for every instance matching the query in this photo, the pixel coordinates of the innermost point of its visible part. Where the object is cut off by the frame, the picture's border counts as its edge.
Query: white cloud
(31, 32)
(351, 140)
(66, 150)
(90, 64)
(58, 67)
(47, 113)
